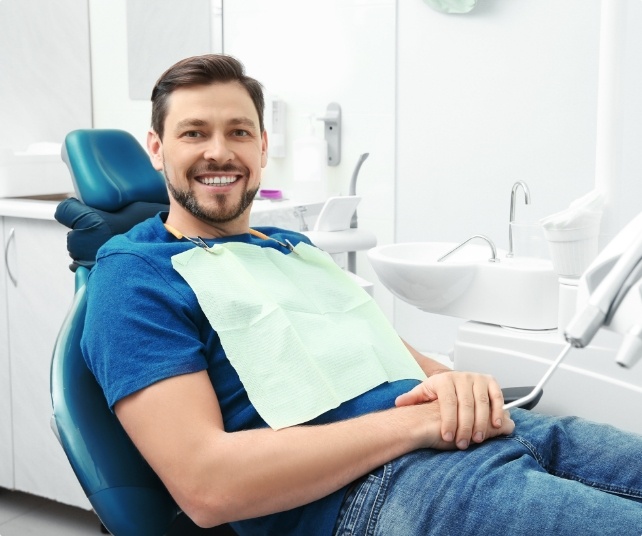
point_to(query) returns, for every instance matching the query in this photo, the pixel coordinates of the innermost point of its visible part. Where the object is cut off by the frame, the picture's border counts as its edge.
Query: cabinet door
(38, 299)
(6, 428)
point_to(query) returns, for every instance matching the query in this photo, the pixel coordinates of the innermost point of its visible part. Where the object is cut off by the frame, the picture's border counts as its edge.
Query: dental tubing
(540, 386)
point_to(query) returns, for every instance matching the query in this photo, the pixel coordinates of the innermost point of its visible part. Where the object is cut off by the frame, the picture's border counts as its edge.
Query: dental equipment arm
(607, 294)
(631, 348)
(613, 283)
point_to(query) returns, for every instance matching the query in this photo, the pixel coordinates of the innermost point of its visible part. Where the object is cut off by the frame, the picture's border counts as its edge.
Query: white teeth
(218, 180)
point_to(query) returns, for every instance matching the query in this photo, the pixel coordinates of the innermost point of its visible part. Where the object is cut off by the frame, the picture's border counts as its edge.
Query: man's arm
(217, 476)
(468, 400)
(428, 365)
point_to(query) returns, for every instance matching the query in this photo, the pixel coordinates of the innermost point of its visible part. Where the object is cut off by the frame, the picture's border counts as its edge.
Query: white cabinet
(6, 428)
(39, 288)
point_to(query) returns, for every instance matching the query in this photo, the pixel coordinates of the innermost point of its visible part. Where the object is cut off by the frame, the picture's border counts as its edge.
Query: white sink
(513, 292)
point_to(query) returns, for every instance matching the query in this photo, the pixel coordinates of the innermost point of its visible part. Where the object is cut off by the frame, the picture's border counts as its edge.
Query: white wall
(109, 65)
(310, 54)
(44, 71)
(507, 92)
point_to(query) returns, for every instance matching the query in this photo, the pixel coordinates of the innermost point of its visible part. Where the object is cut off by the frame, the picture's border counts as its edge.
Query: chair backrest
(126, 494)
(111, 172)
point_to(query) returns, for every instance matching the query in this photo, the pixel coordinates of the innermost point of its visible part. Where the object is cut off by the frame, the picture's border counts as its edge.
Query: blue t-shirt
(144, 324)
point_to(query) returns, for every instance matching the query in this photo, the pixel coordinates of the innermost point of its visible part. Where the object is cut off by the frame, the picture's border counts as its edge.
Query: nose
(217, 149)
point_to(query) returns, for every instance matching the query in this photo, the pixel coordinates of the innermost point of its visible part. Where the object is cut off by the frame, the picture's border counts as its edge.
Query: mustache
(213, 167)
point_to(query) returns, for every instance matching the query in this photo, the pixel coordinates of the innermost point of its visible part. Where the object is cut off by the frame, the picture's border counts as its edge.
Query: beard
(222, 213)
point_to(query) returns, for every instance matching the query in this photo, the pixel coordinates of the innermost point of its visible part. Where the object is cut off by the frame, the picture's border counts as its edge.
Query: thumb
(417, 395)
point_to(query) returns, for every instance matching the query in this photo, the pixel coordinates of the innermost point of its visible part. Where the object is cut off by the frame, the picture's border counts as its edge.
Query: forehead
(221, 101)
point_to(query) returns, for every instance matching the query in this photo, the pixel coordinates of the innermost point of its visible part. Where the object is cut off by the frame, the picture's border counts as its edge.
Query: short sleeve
(139, 328)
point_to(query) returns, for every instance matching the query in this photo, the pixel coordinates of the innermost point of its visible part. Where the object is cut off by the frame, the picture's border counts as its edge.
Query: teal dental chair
(116, 188)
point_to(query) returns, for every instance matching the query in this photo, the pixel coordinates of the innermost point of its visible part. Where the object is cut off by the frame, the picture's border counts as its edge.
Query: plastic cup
(529, 240)
(572, 250)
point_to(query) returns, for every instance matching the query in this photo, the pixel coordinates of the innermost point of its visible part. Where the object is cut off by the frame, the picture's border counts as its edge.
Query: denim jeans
(552, 476)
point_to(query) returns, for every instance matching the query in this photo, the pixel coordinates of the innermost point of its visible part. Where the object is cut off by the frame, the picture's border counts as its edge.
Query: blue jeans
(553, 476)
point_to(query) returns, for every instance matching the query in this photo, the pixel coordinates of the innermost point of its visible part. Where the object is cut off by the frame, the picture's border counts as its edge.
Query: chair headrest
(111, 170)
(91, 228)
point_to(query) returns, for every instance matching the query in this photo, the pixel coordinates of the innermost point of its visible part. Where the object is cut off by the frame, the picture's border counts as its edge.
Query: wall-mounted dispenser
(332, 120)
(309, 161)
(275, 125)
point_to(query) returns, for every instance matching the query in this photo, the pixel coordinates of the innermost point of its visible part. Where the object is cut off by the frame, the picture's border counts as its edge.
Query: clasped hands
(470, 404)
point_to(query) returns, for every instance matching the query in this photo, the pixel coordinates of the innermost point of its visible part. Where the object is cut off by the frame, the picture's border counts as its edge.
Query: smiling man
(267, 390)
(211, 156)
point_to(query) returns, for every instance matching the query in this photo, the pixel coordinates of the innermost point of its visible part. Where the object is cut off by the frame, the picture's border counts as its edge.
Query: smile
(218, 181)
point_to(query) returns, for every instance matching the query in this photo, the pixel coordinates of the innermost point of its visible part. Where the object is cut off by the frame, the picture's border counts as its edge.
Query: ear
(155, 149)
(264, 148)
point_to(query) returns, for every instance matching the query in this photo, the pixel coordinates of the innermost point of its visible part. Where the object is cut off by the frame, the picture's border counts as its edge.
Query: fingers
(496, 404)
(450, 418)
(481, 410)
(418, 395)
(471, 408)
(489, 407)
(508, 426)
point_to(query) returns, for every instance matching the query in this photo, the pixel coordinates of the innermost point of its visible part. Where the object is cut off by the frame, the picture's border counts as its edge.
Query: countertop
(40, 208)
(44, 207)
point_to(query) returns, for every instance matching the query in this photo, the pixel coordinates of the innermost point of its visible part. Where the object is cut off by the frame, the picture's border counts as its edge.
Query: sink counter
(264, 212)
(40, 208)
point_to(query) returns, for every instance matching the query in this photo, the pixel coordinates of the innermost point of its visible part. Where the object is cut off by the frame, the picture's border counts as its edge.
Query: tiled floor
(25, 515)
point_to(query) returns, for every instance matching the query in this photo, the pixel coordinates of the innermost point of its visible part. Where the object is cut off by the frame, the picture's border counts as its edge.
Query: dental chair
(116, 187)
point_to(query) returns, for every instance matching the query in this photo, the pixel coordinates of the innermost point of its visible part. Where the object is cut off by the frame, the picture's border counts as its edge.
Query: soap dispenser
(310, 154)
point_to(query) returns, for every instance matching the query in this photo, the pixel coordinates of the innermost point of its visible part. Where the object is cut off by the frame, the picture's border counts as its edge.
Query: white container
(572, 250)
(32, 173)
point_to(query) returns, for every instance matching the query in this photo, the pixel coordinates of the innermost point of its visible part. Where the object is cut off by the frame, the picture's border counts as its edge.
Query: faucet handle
(511, 218)
(298, 211)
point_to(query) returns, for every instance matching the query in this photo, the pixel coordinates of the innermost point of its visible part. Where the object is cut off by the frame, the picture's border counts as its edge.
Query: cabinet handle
(12, 236)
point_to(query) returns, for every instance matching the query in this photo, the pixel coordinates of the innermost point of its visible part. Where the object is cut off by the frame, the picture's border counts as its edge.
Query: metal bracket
(332, 120)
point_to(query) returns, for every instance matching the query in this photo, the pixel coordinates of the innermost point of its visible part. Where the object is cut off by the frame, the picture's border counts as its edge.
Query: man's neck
(193, 227)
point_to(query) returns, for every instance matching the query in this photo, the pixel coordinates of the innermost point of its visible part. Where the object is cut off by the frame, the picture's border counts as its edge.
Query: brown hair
(202, 70)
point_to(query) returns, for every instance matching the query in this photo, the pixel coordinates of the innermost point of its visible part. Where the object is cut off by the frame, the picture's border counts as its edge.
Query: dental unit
(612, 291)
(520, 310)
(612, 288)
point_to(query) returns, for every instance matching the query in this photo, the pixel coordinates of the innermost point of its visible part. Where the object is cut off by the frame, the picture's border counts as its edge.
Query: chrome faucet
(527, 200)
(493, 249)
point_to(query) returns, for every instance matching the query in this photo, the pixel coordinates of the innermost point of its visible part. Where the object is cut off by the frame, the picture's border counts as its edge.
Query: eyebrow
(235, 121)
(186, 123)
(243, 121)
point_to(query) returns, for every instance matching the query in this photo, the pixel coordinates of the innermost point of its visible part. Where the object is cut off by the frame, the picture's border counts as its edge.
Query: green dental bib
(302, 336)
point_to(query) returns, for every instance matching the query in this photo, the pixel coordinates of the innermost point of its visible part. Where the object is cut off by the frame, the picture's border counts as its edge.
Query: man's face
(212, 153)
